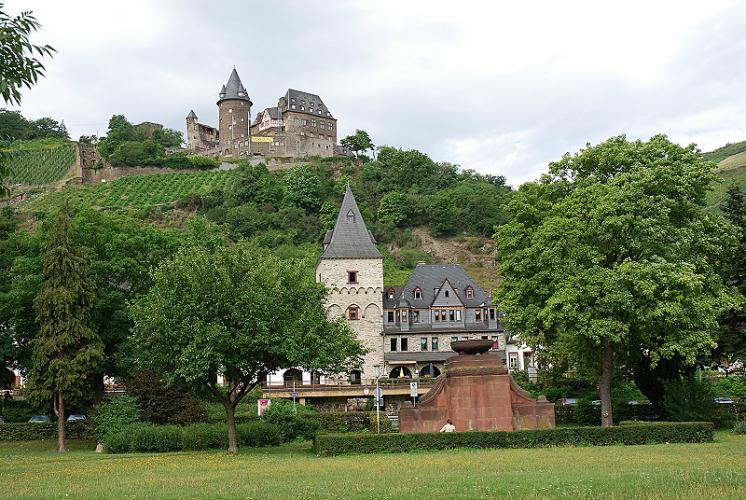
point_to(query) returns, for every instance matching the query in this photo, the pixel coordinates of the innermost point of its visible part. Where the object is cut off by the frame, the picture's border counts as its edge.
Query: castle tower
(192, 130)
(234, 114)
(351, 267)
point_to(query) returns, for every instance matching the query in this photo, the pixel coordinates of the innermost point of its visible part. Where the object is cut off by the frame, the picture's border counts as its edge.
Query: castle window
(319, 111)
(458, 315)
(230, 110)
(352, 277)
(415, 316)
(492, 314)
(447, 293)
(423, 343)
(404, 344)
(451, 315)
(390, 316)
(292, 106)
(434, 343)
(353, 313)
(478, 315)
(393, 344)
(302, 108)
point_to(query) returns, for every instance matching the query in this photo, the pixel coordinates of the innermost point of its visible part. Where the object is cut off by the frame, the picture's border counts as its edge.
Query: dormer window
(391, 293)
(417, 293)
(350, 216)
(469, 292)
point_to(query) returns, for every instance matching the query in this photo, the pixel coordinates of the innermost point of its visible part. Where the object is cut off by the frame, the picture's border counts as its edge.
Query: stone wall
(367, 295)
(91, 176)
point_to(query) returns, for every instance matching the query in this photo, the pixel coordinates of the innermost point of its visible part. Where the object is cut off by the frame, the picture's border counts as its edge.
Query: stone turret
(234, 115)
(351, 267)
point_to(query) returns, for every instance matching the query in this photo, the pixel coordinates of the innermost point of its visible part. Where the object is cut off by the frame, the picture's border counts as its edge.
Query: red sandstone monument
(476, 392)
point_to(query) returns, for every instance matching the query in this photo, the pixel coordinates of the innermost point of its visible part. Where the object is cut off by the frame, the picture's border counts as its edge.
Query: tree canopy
(241, 313)
(359, 142)
(612, 257)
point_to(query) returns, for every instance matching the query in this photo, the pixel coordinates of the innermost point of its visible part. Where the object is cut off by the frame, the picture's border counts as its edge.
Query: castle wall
(366, 294)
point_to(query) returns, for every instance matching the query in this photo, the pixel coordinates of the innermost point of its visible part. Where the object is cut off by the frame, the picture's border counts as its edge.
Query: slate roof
(350, 238)
(191, 115)
(311, 102)
(234, 89)
(428, 277)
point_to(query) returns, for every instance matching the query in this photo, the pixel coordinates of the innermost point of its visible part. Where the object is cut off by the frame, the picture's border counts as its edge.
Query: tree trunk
(230, 409)
(59, 410)
(604, 382)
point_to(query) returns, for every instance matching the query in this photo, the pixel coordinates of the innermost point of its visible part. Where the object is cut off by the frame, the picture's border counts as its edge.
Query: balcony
(391, 387)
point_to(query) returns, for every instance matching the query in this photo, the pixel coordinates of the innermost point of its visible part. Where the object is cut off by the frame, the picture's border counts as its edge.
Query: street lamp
(378, 397)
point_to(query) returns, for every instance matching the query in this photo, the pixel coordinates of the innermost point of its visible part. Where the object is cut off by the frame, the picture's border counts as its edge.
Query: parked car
(724, 401)
(567, 401)
(79, 417)
(39, 419)
(2, 419)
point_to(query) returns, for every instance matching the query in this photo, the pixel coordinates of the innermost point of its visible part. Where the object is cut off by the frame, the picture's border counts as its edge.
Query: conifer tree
(66, 350)
(732, 343)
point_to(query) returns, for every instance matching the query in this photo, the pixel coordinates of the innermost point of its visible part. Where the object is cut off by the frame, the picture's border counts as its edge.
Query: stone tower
(351, 267)
(192, 130)
(234, 115)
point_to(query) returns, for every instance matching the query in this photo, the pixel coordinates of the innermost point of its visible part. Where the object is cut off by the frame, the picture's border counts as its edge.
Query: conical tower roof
(234, 89)
(191, 115)
(350, 238)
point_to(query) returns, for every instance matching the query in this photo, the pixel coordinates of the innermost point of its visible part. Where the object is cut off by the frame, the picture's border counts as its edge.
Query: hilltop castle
(300, 125)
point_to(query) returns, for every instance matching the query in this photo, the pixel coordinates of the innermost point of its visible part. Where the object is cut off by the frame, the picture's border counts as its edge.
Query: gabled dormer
(446, 296)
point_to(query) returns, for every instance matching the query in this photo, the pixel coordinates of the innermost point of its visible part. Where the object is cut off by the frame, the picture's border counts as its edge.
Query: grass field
(711, 470)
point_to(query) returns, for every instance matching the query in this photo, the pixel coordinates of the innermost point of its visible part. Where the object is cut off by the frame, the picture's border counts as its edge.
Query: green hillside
(724, 152)
(39, 162)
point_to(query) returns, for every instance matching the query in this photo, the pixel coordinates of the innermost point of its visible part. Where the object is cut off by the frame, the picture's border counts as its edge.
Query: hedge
(163, 438)
(649, 433)
(41, 430)
(353, 421)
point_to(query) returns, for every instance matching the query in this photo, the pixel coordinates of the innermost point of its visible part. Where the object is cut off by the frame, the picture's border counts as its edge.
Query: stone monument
(476, 392)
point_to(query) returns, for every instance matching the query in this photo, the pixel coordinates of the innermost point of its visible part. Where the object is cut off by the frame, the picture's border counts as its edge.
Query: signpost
(379, 399)
(262, 405)
(413, 392)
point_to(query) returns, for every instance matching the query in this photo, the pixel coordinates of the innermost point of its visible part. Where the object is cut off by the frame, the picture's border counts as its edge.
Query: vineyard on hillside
(39, 162)
(141, 191)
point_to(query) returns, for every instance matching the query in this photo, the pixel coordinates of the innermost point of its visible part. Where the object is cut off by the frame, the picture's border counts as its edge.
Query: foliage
(686, 400)
(241, 312)
(739, 427)
(162, 404)
(292, 420)
(130, 145)
(181, 161)
(114, 415)
(358, 142)
(20, 68)
(27, 431)
(14, 126)
(66, 350)
(165, 438)
(732, 342)
(666, 432)
(732, 386)
(303, 188)
(611, 258)
(395, 208)
(39, 162)
(15, 410)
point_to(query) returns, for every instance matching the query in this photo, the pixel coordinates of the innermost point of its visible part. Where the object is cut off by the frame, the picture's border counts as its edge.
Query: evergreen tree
(732, 343)
(66, 350)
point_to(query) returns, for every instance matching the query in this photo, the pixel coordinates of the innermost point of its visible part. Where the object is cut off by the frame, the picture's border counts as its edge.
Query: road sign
(294, 395)
(413, 389)
(378, 393)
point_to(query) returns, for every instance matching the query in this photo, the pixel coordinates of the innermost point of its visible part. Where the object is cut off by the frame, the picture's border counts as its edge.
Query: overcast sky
(500, 87)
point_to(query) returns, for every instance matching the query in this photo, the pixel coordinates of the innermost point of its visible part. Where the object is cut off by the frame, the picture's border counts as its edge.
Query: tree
(612, 259)
(732, 344)
(48, 127)
(66, 350)
(359, 142)
(20, 68)
(395, 208)
(302, 188)
(241, 313)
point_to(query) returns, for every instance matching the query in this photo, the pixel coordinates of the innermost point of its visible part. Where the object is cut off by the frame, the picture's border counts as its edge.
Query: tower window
(352, 277)
(353, 313)
(390, 316)
(447, 293)
(404, 344)
(393, 344)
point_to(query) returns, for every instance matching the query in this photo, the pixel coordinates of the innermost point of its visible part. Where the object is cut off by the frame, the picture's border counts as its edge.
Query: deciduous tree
(240, 313)
(612, 258)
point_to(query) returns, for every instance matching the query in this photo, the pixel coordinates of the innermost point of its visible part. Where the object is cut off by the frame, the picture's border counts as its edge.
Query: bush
(739, 427)
(688, 400)
(34, 431)
(649, 433)
(18, 410)
(162, 404)
(163, 438)
(114, 415)
(352, 421)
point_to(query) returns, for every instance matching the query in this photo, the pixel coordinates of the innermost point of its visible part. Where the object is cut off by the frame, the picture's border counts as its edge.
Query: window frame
(353, 273)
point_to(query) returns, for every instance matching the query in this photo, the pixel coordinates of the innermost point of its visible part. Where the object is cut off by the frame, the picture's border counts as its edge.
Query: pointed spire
(191, 115)
(350, 238)
(234, 89)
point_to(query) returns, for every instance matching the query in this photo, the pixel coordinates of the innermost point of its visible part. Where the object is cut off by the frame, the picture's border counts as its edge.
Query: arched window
(418, 293)
(353, 313)
(293, 375)
(400, 372)
(429, 370)
(447, 293)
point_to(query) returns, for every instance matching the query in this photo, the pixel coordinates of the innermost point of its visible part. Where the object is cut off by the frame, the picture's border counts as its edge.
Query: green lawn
(711, 470)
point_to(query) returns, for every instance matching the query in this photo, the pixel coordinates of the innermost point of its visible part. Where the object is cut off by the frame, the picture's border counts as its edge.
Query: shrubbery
(354, 421)
(162, 404)
(179, 161)
(649, 433)
(34, 431)
(162, 438)
(114, 415)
